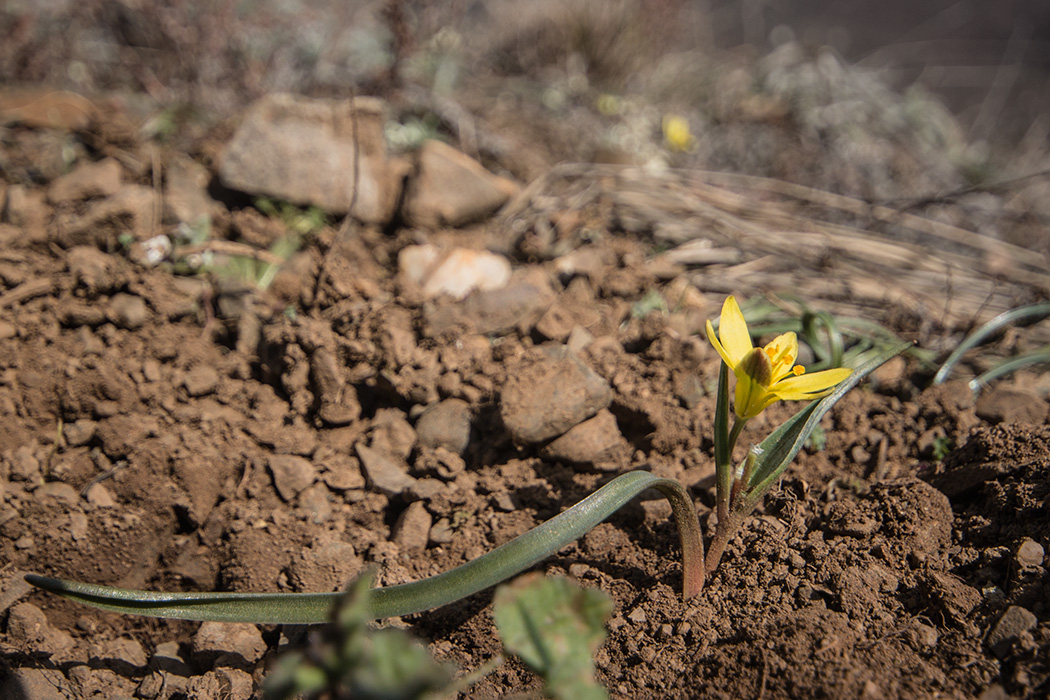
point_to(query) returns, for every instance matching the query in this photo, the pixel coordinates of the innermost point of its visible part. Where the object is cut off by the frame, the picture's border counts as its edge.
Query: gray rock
(302, 150)
(452, 189)
(1014, 622)
(412, 529)
(240, 643)
(382, 472)
(87, 180)
(494, 311)
(291, 475)
(549, 393)
(594, 440)
(445, 424)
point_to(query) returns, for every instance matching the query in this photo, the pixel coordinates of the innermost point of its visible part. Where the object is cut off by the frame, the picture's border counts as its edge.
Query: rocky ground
(204, 390)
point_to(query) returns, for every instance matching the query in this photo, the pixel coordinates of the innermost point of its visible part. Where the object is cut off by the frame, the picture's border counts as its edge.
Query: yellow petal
(732, 331)
(809, 386)
(718, 346)
(782, 353)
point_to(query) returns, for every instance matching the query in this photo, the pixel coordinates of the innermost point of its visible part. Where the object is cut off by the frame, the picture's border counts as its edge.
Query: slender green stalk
(392, 601)
(723, 447)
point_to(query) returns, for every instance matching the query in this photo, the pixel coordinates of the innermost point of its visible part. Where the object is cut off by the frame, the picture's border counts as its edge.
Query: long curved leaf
(392, 601)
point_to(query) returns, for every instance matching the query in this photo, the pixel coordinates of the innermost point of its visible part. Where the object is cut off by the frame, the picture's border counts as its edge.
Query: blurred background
(584, 79)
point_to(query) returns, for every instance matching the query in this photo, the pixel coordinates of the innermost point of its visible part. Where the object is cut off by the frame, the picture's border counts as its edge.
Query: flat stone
(412, 530)
(382, 472)
(455, 272)
(303, 150)
(550, 393)
(445, 424)
(87, 180)
(1015, 621)
(452, 189)
(291, 475)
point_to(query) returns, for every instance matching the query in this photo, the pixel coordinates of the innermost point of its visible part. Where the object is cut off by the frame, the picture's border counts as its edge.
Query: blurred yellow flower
(677, 134)
(766, 375)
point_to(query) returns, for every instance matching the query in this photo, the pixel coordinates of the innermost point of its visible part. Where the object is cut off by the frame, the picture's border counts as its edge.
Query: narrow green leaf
(781, 446)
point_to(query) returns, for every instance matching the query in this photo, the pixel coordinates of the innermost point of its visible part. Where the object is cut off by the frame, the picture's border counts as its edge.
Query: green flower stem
(392, 601)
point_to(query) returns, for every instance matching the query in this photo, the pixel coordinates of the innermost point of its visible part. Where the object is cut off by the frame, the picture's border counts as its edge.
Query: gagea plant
(763, 376)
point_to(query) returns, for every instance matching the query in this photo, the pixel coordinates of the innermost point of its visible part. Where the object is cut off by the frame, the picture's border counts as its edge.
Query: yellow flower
(677, 134)
(766, 375)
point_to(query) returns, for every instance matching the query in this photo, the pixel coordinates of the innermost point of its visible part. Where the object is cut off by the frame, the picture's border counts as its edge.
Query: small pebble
(201, 380)
(1014, 622)
(127, 311)
(1030, 553)
(412, 530)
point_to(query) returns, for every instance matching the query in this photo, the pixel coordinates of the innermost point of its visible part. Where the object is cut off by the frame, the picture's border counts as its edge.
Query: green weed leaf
(555, 627)
(349, 659)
